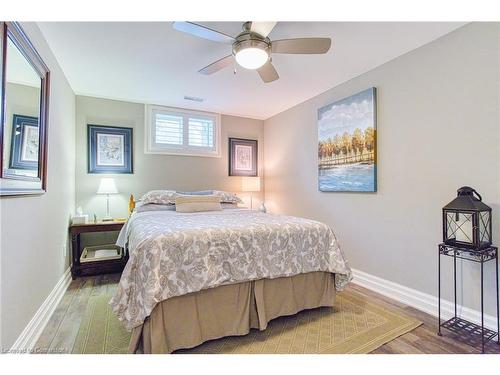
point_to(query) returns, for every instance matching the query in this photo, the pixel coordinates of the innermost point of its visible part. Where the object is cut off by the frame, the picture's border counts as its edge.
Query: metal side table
(469, 332)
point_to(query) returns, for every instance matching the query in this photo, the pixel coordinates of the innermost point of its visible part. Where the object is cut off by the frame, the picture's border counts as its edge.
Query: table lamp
(250, 185)
(107, 186)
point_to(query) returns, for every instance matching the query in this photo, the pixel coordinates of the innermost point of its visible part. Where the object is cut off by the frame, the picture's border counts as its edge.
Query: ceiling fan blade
(268, 73)
(262, 28)
(302, 45)
(218, 65)
(203, 32)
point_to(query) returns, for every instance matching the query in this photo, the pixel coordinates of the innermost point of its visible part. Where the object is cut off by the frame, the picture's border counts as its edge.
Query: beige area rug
(354, 325)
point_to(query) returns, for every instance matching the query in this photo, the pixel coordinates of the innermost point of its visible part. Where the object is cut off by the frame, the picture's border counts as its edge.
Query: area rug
(353, 325)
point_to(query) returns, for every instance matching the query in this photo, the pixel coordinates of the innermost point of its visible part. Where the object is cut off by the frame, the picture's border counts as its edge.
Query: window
(182, 132)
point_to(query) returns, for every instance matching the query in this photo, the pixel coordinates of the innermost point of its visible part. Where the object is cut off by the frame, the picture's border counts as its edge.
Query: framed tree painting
(347, 144)
(109, 149)
(243, 157)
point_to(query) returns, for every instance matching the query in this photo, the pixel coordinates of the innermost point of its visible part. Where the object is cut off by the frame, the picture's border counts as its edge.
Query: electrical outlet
(64, 253)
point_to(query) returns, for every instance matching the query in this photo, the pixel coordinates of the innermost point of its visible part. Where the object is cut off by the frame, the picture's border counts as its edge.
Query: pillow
(155, 207)
(199, 192)
(197, 203)
(159, 197)
(227, 197)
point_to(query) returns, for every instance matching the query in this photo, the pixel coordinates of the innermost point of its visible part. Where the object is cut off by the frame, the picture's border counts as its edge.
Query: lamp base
(108, 216)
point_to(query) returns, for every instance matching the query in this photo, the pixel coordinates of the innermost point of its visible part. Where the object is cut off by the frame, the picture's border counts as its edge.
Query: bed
(194, 277)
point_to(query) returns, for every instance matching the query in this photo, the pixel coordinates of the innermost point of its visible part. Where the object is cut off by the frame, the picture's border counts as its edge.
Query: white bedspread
(172, 254)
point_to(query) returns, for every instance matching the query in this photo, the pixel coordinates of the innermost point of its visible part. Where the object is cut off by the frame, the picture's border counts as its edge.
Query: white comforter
(172, 254)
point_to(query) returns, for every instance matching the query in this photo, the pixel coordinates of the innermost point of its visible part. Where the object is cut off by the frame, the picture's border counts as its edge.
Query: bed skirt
(230, 310)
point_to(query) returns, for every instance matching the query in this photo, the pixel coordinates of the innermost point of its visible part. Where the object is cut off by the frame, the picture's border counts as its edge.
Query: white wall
(152, 171)
(438, 129)
(33, 230)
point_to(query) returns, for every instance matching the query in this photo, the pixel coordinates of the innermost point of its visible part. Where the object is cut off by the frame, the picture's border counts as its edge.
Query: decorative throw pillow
(197, 203)
(155, 207)
(227, 197)
(199, 192)
(159, 197)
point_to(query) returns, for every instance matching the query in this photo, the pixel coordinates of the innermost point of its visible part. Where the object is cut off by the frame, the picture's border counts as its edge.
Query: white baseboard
(421, 301)
(26, 341)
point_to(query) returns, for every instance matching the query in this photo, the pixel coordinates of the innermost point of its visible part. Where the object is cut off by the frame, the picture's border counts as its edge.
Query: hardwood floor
(60, 334)
(423, 339)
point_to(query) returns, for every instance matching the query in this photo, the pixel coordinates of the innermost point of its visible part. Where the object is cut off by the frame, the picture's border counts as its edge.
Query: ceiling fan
(252, 48)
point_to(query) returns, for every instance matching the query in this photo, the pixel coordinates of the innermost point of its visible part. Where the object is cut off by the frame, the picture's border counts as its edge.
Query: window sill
(183, 153)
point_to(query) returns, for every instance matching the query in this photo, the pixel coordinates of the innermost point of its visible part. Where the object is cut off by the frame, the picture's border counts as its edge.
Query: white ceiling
(151, 62)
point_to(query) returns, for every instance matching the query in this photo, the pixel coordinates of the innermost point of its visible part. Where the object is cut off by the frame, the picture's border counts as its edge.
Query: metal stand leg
(482, 310)
(439, 292)
(455, 280)
(498, 303)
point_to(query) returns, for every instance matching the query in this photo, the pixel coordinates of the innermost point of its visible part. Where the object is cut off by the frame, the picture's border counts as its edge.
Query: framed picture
(347, 144)
(24, 143)
(109, 149)
(242, 157)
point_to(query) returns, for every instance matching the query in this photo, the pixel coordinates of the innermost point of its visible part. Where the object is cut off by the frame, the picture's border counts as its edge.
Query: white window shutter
(201, 132)
(182, 132)
(169, 129)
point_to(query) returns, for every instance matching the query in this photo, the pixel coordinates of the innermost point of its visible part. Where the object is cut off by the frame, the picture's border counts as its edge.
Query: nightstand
(95, 267)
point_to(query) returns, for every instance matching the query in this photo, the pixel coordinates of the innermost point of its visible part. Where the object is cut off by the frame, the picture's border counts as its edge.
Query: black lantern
(467, 221)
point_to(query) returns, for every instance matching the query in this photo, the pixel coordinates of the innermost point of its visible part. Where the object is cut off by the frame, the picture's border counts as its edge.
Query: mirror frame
(24, 185)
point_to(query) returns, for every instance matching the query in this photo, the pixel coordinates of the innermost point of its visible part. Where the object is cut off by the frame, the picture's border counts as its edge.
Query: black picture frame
(120, 151)
(248, 149)
(18, 142)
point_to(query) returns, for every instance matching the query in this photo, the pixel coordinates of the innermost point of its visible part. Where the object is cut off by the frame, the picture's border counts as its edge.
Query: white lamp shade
(107, 186)
(251, 58)
(250, 184)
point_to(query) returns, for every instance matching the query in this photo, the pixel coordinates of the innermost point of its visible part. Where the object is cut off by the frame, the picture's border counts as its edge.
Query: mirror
(24, 98)
(23, 86)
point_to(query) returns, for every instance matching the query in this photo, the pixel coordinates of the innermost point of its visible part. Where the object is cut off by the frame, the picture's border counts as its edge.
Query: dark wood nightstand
(99, 266)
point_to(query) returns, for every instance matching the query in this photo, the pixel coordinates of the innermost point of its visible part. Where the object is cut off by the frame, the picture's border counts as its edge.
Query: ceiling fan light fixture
(252, 48)
(251, 58)
(251, 52)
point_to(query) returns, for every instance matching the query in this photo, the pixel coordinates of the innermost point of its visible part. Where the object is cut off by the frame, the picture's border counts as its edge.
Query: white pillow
(159, 197)
(154, 207)
(197, 203)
